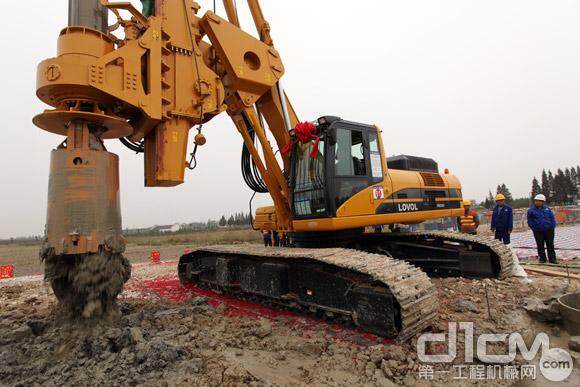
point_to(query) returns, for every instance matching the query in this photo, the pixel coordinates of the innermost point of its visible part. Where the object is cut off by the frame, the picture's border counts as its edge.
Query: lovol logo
(406, 207)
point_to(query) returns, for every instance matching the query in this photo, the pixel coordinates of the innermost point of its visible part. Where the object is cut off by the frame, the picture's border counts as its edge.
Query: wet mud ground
(166, 334)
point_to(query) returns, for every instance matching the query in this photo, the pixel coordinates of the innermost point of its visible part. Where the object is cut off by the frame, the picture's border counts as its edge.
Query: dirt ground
(166, 334)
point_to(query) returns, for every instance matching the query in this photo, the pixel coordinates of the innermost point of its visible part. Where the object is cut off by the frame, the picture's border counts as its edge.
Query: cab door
(350, 165)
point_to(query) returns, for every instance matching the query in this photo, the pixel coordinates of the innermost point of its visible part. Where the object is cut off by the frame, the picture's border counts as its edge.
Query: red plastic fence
(155, 257)
(6, 271)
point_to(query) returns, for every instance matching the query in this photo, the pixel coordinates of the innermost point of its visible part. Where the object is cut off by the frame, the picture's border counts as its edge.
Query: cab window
(349, 153)
(351, 173)
(308, 194)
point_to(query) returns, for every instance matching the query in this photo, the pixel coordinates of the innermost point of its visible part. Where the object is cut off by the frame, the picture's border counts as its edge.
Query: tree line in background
(560, 188)
(238, 219)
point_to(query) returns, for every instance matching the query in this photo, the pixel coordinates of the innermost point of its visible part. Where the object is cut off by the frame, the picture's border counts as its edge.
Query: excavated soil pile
(88, 285)
(188, 343)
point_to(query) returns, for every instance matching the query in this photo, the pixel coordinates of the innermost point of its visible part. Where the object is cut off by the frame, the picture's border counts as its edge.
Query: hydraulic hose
(250, 171)
(134, 146)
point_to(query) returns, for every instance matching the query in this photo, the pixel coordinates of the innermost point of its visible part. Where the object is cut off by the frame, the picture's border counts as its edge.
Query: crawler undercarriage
(369, 282)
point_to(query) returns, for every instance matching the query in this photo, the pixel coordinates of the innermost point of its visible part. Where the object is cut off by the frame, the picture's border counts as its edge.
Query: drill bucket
(83, 197)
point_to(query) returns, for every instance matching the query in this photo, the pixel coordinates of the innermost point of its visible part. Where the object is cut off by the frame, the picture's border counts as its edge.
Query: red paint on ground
(170, 288)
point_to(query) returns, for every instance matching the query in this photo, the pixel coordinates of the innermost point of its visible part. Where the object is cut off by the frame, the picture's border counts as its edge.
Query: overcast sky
(490, 89)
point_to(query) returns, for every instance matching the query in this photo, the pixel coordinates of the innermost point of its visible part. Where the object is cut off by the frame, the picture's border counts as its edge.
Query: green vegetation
(560, 188)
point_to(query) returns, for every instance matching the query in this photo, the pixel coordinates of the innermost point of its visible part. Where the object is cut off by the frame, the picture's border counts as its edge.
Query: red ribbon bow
(305, 132)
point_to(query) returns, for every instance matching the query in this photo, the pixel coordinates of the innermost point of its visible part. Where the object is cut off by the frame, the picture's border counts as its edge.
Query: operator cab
(348, 160)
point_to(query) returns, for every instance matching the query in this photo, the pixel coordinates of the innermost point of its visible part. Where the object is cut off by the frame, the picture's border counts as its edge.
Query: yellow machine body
(401, 197)
(360, 210)
(174, 70)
